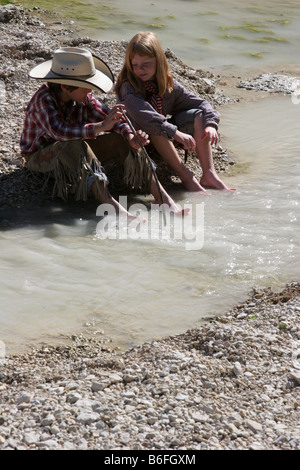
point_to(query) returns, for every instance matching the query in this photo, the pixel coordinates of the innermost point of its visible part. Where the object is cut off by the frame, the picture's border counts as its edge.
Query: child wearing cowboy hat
(67, 132)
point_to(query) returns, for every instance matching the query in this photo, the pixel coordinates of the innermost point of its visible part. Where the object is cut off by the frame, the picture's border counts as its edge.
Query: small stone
(86, 417)
(254, 425)
(31, 438)
(208, 384)
(23, 398)
(98, 387)
(241, 316)
(237, 369)
(200, 417)
(115, 378)
(232, 428)
(54, 429)
(72, 386)
(82, 444)
(248, 374)
(181, 396)
(295, 375)
(48, 444)
(48, 420)
(73, 397)
(130, 378)
(68, 446)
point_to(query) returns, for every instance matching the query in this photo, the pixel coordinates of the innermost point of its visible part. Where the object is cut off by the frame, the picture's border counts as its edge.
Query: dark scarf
(153, 97)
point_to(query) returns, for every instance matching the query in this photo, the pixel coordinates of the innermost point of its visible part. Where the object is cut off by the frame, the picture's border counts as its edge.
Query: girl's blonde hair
(145, 44)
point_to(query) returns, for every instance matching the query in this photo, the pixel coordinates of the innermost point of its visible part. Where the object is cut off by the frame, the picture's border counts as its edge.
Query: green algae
(129, 21)
(232, 36)
(205, 40)
(157, 26)
(272, 38)
(239, 169)
(257, 29)
(264, 39)
(256, 55)
(251, 27)
(260, 40)
(260, 27)
(282, 21)
(207, 13)
(75, 9)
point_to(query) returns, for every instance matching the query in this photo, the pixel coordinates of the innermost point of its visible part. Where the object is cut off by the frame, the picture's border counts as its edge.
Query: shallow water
(205, 34)
(58, 275)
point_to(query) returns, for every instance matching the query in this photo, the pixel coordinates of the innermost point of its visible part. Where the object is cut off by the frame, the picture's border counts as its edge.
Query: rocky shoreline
(232, 384)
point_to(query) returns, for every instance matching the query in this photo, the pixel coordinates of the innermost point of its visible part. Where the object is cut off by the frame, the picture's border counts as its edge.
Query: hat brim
(103, 79)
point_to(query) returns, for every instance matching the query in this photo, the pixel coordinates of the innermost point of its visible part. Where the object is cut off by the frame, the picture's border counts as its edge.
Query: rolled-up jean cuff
(184, 120)
(91, 180)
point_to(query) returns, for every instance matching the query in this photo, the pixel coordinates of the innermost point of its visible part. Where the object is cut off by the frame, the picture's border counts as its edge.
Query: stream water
(60, 274)
(204, 33)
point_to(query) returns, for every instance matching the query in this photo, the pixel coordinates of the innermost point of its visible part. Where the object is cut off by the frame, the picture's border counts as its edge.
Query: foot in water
(193, 186)
(212, 181)
(170, 206)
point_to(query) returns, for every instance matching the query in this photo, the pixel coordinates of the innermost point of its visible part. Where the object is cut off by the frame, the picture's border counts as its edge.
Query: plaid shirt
(49, 119)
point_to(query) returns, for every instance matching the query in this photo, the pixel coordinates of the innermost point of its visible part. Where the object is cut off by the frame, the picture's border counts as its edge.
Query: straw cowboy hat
(76, 67)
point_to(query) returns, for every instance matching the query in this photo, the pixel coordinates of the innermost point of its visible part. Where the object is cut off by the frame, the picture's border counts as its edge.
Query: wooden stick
(149, 161)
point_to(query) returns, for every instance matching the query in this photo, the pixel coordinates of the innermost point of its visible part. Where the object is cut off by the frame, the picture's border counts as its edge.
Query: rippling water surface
(59, 276)
(214, 33)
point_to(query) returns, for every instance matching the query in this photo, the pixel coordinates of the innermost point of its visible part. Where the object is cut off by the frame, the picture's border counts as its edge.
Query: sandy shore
(231, 384)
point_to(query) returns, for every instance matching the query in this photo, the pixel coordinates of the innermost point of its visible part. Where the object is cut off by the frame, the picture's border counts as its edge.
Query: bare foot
(212, 181)
(178, 211)
(171, 206)
(136, 218)
(194, 186)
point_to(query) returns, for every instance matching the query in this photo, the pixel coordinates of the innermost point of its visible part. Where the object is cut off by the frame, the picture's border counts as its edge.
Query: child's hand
(212, 134)
(186, 140)
(114, 115)
(142, 137)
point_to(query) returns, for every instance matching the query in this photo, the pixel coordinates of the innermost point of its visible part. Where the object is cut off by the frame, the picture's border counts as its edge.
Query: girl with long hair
(150, 94)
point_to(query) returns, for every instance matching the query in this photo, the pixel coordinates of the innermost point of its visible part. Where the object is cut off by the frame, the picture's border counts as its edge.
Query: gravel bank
(233, 383)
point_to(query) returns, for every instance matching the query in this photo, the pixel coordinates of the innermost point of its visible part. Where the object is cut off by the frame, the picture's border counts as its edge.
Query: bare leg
(166, 199)
(168, 152)
(204, 151)
(102, 194)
